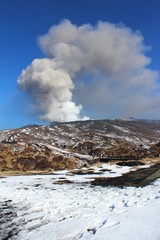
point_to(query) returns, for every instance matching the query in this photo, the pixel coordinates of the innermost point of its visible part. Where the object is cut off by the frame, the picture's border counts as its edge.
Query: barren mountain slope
(76, 143)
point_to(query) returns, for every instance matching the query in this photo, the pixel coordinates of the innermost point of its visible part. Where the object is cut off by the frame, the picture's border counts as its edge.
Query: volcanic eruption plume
(113, 56)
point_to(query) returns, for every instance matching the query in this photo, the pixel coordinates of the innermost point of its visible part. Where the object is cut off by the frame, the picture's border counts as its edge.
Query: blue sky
(22, 21)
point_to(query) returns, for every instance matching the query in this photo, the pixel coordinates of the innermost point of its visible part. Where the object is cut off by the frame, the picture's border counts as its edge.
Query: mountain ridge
(75, 144)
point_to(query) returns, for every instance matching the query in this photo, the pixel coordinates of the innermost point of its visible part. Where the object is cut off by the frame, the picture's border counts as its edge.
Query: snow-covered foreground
(49, 211)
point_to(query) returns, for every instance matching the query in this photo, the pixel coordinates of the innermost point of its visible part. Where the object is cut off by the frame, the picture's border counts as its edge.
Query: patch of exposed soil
(64, 181)
(130, 163)
(139, 178)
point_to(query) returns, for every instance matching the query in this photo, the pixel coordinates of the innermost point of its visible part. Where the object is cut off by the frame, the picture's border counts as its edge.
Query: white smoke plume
(106, 63)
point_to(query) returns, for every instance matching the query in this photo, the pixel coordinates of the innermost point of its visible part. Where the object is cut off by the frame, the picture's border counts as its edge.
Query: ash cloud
(112, 55)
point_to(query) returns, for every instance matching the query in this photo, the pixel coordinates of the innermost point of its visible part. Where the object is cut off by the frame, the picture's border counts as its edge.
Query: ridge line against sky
(23, 21)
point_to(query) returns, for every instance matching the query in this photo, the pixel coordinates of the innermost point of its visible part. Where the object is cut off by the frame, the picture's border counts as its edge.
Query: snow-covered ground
(49, 211)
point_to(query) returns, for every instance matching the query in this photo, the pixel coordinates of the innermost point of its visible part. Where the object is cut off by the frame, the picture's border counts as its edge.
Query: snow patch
(77, 211)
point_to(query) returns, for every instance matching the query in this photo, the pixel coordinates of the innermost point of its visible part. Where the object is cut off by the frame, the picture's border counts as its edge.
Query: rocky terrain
(76, 144)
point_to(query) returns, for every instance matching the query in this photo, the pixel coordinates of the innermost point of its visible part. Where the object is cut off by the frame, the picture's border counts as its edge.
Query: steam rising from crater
(114, 58)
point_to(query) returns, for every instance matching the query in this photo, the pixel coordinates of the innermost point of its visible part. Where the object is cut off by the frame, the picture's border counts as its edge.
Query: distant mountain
(144, 120)
(31, 126)
(77, 143)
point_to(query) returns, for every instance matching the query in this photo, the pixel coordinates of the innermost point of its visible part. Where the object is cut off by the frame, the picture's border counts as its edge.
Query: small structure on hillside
(118, 158)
